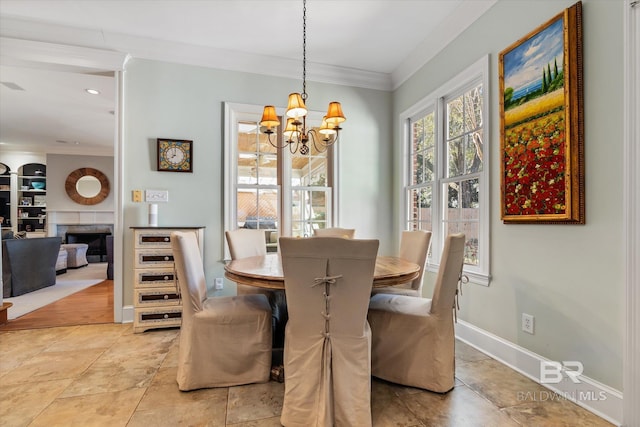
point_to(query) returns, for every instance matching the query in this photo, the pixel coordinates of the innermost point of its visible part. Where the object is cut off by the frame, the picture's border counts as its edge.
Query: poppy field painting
(541, 124)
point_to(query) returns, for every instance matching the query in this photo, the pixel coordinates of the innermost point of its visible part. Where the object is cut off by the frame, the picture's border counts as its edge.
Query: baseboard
(127, 314)
(595, 397)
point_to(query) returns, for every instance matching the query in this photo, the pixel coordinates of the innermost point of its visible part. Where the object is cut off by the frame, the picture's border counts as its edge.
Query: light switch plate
(156, 196)
(136, 195)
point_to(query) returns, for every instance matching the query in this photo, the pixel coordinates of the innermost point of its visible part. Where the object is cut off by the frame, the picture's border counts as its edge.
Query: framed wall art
(541, 124)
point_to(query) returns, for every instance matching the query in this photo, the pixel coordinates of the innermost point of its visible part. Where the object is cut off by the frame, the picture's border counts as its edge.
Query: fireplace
(97, 241)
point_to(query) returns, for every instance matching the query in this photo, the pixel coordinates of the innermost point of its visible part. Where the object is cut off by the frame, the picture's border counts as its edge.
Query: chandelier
(296, 133)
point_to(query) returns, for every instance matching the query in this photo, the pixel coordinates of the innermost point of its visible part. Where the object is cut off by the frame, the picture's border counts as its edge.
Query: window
(446, 171)
(271, 189)
(310, 193)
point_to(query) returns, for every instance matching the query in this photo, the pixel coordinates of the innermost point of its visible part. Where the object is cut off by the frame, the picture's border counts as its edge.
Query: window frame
(475, 74)
(235, 112)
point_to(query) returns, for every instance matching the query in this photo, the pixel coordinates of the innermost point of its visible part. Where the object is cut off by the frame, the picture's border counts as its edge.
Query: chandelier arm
(319, 143)
(293, 150)
(274, 143)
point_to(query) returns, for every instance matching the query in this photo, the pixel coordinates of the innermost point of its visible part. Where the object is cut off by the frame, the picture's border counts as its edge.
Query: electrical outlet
(527, 323)
(219, 283)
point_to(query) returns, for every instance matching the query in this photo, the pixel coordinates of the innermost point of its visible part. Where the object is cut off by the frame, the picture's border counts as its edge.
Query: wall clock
(175, 155)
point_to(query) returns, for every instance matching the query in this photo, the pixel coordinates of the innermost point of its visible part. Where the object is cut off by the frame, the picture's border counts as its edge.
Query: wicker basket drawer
(153, 238)
(157, 317)
(156, 297)
(155, 277)
(153, 258)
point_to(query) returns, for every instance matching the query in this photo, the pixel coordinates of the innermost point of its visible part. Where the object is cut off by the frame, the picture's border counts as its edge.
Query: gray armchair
(28, 264)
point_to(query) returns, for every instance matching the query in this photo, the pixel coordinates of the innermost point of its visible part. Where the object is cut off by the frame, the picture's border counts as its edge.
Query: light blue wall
(570, 277)
(187, 102)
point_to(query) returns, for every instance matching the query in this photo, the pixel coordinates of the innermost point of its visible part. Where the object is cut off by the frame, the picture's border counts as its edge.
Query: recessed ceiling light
(93, 91)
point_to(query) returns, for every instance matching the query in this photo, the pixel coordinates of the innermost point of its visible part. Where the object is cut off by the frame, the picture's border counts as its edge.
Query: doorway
(27, 134)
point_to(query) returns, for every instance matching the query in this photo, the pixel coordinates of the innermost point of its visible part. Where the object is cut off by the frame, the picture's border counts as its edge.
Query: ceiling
(369, 43)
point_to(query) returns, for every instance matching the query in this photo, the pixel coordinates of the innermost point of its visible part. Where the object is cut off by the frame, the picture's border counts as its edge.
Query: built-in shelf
(31, 198)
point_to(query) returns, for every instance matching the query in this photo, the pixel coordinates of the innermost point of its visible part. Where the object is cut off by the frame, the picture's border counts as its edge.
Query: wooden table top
(266, 271)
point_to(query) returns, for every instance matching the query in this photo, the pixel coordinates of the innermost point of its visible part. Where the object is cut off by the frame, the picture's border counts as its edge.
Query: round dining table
(266, 271)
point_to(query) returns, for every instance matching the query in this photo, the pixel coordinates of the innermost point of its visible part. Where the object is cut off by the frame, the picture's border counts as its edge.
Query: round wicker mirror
(71, 186)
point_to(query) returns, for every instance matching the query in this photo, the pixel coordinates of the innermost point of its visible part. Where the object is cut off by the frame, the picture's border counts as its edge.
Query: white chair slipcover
(346, 233)
(414, 247)
(413, 341)
(245, 243)
(224, 341)
(327, 342)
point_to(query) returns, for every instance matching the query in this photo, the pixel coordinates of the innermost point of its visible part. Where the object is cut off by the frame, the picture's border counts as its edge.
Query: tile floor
(104, 375)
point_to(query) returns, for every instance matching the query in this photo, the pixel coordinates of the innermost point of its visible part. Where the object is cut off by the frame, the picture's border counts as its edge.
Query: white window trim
(237, 111)
(479, 70)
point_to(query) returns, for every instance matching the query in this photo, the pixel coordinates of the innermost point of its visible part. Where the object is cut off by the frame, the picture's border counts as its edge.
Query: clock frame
(175, 155)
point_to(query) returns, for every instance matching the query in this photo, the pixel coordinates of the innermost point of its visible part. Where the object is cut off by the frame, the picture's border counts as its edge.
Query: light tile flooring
(104, 375)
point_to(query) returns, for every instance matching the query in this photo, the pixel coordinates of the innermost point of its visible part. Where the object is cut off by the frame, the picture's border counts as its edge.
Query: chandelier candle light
(296, 133)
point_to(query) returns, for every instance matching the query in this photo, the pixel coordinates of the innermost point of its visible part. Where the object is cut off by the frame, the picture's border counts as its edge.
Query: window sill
(474, 277)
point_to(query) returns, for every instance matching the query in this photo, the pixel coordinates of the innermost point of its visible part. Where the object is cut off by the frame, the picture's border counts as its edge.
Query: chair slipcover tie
(456, 302)
(327, 281)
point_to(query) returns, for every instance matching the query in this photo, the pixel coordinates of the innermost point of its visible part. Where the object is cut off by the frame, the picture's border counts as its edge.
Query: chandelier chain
(295, 131)
(304, 50)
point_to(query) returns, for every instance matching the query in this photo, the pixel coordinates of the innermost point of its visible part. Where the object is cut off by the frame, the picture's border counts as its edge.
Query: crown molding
(57, 45)
(79, 46)
(227, 59)
(36, 53)
(466, 14)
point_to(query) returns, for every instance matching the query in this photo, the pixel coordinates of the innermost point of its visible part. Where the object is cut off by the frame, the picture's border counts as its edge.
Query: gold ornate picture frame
(541, 124)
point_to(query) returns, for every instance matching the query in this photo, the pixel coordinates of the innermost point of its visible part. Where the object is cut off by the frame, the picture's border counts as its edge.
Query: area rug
(72, 281)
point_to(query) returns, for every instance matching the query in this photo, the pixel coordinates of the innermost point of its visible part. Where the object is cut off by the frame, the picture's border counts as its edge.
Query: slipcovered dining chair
(327, 363)
(224, 341)
(346, 233)
(245, 243)
(414, 247)
(412, 339)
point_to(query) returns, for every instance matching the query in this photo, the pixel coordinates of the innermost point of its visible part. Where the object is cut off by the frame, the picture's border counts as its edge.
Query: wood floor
(90, 306)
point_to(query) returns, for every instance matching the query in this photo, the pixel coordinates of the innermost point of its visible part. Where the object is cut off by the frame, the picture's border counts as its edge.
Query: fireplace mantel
(77, 217)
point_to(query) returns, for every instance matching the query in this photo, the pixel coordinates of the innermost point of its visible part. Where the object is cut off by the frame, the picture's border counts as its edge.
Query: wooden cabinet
(157, 302)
